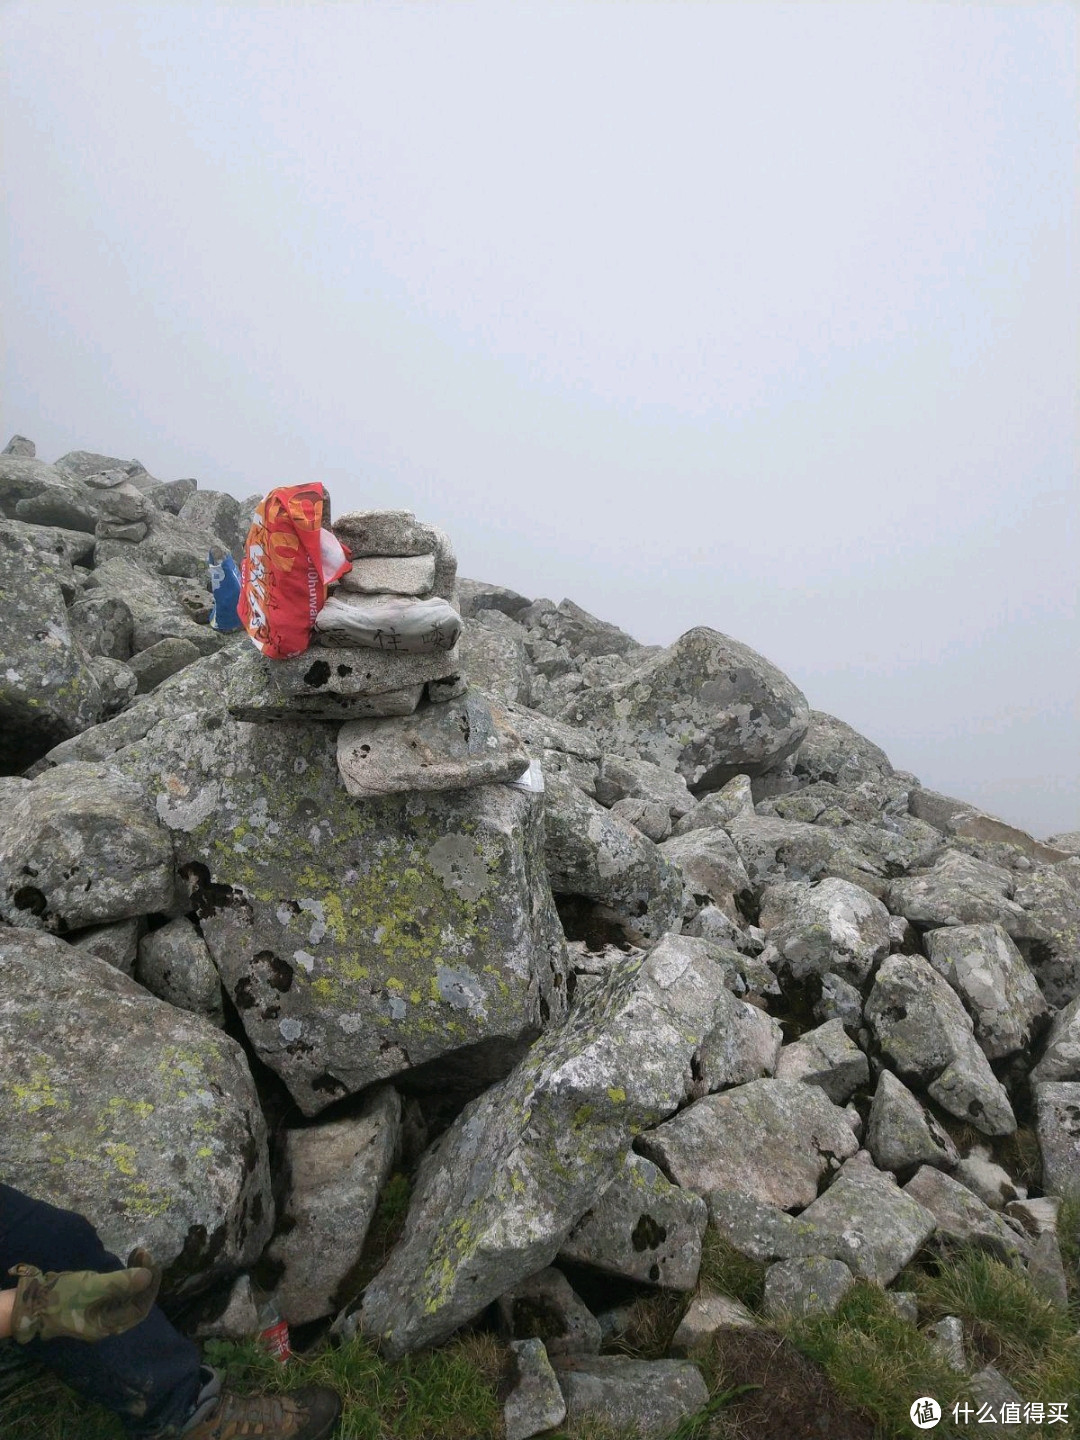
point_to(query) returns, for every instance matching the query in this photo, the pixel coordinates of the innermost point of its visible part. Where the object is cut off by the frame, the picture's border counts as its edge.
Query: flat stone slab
(452, 746)
(391, 575)
(773, 1139)
(332, 684)
(649, 1397)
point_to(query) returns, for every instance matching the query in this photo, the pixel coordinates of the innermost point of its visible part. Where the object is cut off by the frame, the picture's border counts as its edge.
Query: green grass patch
(727, 1272)
(447, 1394)
(875, 1360)
(1007, 1324)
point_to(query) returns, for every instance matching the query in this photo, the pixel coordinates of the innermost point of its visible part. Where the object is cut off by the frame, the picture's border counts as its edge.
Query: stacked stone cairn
(727, 971)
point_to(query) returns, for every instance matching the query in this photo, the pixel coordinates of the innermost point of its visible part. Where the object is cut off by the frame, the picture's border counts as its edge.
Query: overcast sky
(763, 317)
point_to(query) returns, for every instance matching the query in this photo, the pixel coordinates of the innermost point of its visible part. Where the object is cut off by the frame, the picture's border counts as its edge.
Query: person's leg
(149, 1375)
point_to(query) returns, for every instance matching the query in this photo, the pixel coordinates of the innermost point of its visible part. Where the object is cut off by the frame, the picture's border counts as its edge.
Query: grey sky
(763, 317)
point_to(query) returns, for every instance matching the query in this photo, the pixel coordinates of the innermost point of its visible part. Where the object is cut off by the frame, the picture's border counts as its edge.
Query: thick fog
(762, 317)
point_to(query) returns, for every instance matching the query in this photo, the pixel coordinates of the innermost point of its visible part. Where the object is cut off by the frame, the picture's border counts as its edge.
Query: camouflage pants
(149, 1375)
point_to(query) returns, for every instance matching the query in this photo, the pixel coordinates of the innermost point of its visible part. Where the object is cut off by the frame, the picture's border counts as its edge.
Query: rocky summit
(598, 949)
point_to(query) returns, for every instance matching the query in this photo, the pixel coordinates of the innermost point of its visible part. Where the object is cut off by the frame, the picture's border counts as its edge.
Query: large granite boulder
(81, 846)
(642, 1228)
(47, 689)
(828, 926)
(156, 612)
(706, 706)
(494, 659)
(899, 1132)
(333, 1175)
(140, 1116)
(356, 938)
(1047, 931)
(1061, 1055)
(711, 868)
(990, 975)
(500, 1192)
(831, 751)
(773, 1139)
(592, 853)
(926, 1033)
(957, 890)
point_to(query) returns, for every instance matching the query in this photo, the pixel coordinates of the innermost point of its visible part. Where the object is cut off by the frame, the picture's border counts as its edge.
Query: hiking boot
(309, 1414)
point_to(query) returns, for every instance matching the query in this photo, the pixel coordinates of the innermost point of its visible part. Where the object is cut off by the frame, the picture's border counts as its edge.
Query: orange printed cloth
(288, 562)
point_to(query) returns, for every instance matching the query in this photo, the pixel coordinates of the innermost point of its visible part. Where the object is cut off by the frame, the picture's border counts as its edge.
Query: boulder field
(598, 944)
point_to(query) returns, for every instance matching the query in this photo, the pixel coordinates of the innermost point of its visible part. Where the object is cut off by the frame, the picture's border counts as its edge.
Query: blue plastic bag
(225, 584)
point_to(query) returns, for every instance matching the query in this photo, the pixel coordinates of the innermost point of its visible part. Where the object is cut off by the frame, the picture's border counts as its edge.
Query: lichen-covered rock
(926, 1033)
(957, 890)
(498, 1194)
(1047, 930)
(1061, 1055)
(773, 1139)
(961, 1217)
(621, 778)
(535, 1402)
(494, 659)
(175, 965)
(827, 1058)
(47, 689)
(117, 944)
(899, 1132)
(775, 850)
(868, 1222)
(141, 1117)
(706, 706)
(117, 683)
(452, 746)
(1057, 1108)
(592, 853)
(833, 752)
(642, 1228)
(546, 1306)
(156, 612)
(81, 846)
(649, 1398)
(711, 869)
(220, 514)
(333, 1175)
(157, 662)
(814, 1285)
(732, 801)
(356, 940)
(102, 624)
(744, 1043)
(577, 632)
(990, 975)
(835, 926)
